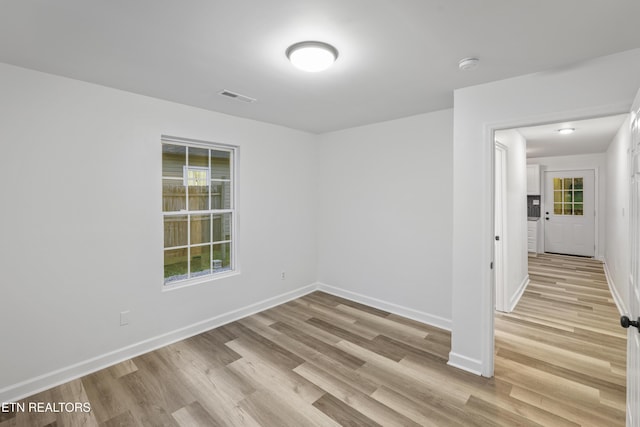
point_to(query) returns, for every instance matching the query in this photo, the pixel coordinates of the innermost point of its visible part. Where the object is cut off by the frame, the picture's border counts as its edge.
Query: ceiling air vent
(236, 96)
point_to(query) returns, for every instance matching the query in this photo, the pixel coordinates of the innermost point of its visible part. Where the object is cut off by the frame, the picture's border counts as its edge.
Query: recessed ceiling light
(467, 64)
(566, 131)
(312, 56)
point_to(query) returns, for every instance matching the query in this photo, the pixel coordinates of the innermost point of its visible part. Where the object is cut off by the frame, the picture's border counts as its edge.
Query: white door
(500, 168)
(633, 337)
(569, 212)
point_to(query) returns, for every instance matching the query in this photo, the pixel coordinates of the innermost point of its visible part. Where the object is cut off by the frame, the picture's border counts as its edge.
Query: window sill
(198, 280)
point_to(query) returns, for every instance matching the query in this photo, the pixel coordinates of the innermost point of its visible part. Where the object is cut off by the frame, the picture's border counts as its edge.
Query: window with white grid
(198, 207)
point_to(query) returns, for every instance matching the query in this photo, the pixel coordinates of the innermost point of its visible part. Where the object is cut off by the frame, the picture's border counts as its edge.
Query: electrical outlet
(282, 275)
(124, 318)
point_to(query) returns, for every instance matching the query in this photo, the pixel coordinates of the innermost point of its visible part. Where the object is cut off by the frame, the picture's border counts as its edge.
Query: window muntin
(198, 209)
(568, 196)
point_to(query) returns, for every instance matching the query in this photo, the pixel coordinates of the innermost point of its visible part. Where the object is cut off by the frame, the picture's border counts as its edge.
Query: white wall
(616, 252)
(598, 162)
(516, 261)
(81, 228)
(385, 214)
(81, 224)
(598, 87)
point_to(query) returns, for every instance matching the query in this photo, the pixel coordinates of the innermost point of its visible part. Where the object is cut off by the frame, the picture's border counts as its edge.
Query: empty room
(319, 213)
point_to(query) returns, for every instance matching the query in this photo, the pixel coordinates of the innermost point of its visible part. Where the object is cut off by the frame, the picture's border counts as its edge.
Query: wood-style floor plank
(563, 339)
(322, 360)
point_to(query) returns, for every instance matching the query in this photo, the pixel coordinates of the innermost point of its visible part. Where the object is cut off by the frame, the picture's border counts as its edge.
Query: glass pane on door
(567, 196)
(557, 208)
(557, 196)
(577, 196)
(568, 183)
(577, 183)
(557, 183)
(568, 209)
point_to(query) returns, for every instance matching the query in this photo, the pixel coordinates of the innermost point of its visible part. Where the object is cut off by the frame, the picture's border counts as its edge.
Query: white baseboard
(465, 363)
(43, 382)
(410, 313)
(35, 385)
(622, 308)
(516, 297)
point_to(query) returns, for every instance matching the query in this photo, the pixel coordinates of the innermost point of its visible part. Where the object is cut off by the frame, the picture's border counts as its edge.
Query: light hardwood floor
(322, 360)
(562, 348)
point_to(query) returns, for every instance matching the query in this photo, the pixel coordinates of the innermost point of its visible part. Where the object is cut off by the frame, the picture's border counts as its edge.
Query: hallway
(562, 348)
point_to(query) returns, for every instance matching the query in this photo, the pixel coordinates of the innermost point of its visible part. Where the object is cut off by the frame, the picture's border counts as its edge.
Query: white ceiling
(590, 136)
(397, 57)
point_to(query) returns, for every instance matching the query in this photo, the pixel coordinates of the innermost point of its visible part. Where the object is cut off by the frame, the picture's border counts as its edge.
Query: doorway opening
(546, 294)
(559, 176)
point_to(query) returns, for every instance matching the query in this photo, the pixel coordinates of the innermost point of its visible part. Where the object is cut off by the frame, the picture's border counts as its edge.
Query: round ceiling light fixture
(566, 131)
(312, 56)
(467, 64)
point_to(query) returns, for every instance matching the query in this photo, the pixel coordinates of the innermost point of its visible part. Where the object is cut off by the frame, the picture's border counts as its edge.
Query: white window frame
(232, 210)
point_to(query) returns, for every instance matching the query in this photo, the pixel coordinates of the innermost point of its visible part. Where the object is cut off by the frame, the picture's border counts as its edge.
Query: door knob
(625, 322)
(497, 237)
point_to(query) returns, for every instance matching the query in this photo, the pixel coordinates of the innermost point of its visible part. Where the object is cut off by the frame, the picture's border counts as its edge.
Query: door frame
(486, 364)
(500, 217)
(633, 355)
(596, 201)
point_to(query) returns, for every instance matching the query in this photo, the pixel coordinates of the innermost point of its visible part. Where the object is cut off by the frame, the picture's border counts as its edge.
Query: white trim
(487, 300)
(516, 297)
(186, 142)
(26, 388)
(465, 363)
(179, 284)
(622, 308)
(205, 212)
(596, 213)
(501, 267)
(410, 313)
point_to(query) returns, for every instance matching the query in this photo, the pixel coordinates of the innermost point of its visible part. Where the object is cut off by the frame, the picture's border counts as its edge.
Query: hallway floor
(562, 348)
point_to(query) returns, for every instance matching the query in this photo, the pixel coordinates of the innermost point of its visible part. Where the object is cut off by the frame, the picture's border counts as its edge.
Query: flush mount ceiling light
(312, 56)
(467, 64)
(566, 131)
